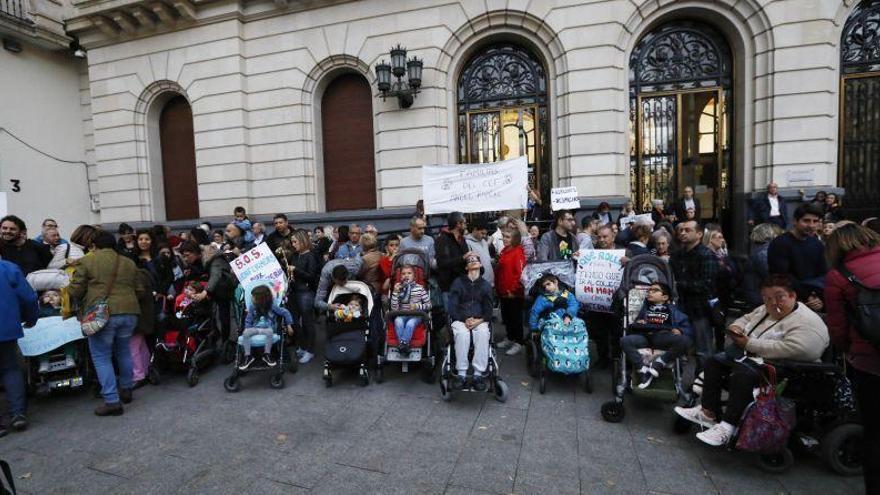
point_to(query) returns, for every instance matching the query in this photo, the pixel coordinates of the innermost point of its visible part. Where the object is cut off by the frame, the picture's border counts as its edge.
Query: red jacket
(840, 297)
(509, 269)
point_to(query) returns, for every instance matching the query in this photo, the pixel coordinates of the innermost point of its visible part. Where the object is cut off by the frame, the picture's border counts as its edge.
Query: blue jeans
(404, 326)
(113, 338)
(13, 380)
(304, 302)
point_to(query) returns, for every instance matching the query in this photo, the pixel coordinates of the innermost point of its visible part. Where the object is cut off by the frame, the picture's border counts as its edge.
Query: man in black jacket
(470, 310)
(451, 251)
(15, 247)
(282, 233)
(688, 202)
(768, 208)
(695, 270)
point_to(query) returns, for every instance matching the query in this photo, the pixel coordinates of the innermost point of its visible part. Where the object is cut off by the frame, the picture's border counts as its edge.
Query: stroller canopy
(413, 257)
(563, 270)
(353, 287)
(647, 269)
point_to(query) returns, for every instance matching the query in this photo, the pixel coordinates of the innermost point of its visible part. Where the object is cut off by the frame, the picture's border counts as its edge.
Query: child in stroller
(659, 325)
(260, 321)
(188, 341)
(559, 334)
(408, 295)
(50, 305)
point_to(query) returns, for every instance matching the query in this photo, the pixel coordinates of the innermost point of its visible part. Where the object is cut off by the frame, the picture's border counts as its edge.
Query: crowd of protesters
(793, 264)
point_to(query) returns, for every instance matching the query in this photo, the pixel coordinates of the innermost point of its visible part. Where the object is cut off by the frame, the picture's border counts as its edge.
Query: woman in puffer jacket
(856, 249)
(511, 296)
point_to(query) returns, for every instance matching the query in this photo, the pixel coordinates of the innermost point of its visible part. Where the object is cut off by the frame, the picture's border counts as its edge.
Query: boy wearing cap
(659, 325)
(470, 309)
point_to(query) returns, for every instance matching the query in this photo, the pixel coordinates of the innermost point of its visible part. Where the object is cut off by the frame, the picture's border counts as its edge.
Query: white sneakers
(695, 415)
(717, 435)
(514, 349)
(504, 344)
(306, 357)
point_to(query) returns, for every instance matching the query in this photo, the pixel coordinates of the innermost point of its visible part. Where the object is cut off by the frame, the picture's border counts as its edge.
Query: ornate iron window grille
(679, 56)
(503, 75)
(860, 41)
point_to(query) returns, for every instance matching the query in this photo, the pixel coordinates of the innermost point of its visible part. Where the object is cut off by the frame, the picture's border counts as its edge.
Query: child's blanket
(49, 334)
(566, 347)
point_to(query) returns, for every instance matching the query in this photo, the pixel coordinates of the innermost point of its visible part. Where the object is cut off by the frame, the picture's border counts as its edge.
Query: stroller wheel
(277, 381)
(587, 379)
(192, 377)
(542, 380)
(613, 411)
(380, 373)
(445, 393)
(502, 391)
(776, 463)
(232, 384)
(153, 376)
(531, 359)
(841, 449)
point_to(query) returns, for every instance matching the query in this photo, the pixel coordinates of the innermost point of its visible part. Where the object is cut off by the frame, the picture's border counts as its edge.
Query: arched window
(680, 92)
(347, 132)
(502, 111)
(859, 166)
(178, 160)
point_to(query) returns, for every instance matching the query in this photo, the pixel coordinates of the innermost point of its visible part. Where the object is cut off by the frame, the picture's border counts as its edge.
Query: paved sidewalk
(395, 437)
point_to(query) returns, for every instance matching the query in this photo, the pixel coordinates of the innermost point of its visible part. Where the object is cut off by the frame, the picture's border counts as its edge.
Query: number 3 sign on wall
(16, 185)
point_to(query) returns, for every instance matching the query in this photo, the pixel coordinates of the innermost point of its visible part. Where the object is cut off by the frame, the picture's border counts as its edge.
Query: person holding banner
(18, 303)
(559, 243)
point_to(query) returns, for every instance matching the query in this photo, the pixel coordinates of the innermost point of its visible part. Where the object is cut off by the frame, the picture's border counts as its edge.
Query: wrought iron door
(859, 162)
(680, 75)
(502, 109)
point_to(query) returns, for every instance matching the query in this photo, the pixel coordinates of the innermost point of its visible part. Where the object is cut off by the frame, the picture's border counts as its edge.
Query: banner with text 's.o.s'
(472, 188)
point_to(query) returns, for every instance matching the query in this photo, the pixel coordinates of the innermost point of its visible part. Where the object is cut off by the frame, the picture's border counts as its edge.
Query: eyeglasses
(655, 289)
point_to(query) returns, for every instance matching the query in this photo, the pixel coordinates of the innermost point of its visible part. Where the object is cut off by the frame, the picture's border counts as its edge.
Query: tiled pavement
(394, 437)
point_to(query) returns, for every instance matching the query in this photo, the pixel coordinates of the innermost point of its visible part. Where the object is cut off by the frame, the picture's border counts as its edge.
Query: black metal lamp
(405, 91)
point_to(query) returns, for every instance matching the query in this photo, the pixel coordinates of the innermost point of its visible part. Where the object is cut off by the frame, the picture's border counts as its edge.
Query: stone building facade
(621, 98)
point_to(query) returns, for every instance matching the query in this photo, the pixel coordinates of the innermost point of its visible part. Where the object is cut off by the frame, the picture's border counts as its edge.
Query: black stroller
(348, 337)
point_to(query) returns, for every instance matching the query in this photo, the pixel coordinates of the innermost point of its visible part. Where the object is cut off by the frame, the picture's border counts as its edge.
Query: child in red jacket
(511, 295)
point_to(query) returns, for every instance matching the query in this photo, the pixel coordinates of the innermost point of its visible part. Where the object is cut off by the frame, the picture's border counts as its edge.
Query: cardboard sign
(564, 198)
(49, 334)
(259, 266)
(472, 188)
(599, 273)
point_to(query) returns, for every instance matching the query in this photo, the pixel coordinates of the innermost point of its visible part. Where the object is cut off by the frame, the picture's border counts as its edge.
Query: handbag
(96, 316)
(768, 421)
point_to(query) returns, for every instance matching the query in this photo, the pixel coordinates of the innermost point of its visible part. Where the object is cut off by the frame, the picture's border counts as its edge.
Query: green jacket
(92, 276)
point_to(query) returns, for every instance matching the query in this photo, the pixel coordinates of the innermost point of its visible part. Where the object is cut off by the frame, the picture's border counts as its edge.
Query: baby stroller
(348, 337)
(232, 383)
(639, 274)
(190, 343)
(421, 344)
(65, 367)
(556, 348)
(827, 422)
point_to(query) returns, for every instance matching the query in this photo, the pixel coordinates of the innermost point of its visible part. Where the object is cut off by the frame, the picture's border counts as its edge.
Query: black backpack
(865, 316)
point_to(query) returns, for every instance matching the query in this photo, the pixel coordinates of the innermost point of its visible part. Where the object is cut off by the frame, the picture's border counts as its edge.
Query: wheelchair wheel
(232, 384)
(532, 358)
(841, 449)
(153, 376)
(501, 391)
(192, 377)
(776, 463)
(613, 411)
(445, 393)
(587, 380)
(542, 381)
(277, 381)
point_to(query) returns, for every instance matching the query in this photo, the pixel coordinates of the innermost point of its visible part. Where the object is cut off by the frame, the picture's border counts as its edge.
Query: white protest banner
(599, 273)
(472, 188)
(627, 220)
(564, 198)
(48, 334)
(258, 266)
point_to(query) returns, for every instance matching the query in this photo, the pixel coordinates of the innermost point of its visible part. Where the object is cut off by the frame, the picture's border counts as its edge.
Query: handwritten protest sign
(564, 198)
(599, 273)
(631, 219)
(471, 188)
(48, 334)
(259, 266)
